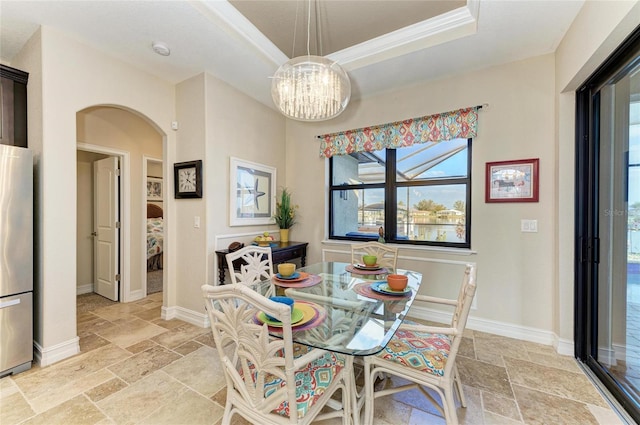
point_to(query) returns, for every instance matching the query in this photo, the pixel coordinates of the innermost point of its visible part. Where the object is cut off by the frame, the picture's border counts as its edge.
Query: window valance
(462, 123)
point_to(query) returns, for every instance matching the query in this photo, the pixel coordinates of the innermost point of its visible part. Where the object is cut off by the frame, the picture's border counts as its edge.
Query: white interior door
(106, 222)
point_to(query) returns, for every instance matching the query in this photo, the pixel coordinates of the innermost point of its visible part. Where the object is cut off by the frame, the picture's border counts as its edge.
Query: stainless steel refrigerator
(16, 259)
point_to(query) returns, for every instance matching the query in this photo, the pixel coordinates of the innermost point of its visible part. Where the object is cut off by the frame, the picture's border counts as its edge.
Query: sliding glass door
(608, 225)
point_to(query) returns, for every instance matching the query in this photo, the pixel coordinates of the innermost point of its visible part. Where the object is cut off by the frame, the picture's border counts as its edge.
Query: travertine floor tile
(78, 410)
(175, 377)
(131, 332)
(497, 345)
(484, 376)
(542, 408)
(189, 408)
(74, 369)
(69, 389)
(106, 389)
(179, 335)
(503, 406)
(13, 406)
(494, 419)
(605, 415)
(144, 363)
(200, 370)
(118, 311)
(139, 400)
(573, 385)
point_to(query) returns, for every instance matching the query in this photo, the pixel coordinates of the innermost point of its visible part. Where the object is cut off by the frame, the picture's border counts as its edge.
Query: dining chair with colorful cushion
(272, 380)
(387, 255)
(425, 355)
(256, 266)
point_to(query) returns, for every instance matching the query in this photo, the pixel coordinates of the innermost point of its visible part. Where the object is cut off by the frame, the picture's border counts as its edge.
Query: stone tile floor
(135, 368)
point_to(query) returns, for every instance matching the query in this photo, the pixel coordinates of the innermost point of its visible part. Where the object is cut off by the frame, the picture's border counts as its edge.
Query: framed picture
(251, 193)
(154, 188)
(187, 178)
(512, 181)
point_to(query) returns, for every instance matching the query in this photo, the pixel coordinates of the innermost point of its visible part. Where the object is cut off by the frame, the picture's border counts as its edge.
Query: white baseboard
(84, 289)
(490, 326)
(50, 355)
(189, 316)
(565, 347)
(136, 295)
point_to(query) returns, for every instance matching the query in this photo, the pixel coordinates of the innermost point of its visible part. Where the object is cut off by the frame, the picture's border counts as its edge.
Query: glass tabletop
(347, 308)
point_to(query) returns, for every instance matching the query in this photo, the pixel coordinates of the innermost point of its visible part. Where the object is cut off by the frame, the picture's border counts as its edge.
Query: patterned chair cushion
(419, 350)
(311, 382)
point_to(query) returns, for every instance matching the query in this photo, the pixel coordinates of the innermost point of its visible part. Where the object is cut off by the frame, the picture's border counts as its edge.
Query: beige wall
(242, 128)
(514, 268)
(68, 76)
(216, 122)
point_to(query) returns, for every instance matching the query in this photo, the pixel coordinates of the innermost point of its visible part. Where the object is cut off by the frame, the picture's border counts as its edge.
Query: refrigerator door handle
(10, 303)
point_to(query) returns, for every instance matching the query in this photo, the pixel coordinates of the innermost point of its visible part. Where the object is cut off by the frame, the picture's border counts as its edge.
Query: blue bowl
(284, 300)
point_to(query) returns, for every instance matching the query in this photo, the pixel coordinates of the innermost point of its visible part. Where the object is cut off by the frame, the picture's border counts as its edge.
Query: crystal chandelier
(310, 88)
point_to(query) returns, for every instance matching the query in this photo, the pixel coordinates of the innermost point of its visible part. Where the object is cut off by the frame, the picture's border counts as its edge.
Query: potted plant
(285, 216)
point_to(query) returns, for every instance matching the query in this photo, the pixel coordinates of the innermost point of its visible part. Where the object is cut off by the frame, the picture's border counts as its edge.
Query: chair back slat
(247, 351)
(461, 313)
(256, 265)
(387, 255)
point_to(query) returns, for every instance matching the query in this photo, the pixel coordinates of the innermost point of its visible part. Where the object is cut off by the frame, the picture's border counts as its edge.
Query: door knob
(94, 233)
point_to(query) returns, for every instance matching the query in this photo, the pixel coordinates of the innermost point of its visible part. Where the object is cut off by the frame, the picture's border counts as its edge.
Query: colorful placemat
(352, 269)
(364, 289)
(300, 277)
(314, 315)
(383, 288)
(309, 280)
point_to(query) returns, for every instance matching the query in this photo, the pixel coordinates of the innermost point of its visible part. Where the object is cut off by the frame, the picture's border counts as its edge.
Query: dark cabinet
(281, 252)
(13, 106)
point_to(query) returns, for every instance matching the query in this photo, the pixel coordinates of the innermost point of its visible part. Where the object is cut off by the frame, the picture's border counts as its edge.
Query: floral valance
(462, 123)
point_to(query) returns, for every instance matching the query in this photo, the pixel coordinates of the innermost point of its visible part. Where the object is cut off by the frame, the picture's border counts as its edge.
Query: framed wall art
(187, 178)
(154, 188)
(512, 181)
(251, 193)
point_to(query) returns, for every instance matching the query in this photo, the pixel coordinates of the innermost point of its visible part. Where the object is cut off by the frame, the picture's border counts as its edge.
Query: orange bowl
(397, 282)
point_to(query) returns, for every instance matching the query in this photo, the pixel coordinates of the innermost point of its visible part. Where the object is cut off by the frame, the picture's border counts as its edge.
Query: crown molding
(449, 26)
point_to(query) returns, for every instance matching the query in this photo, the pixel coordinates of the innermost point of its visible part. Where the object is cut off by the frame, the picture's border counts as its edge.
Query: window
(418, 195)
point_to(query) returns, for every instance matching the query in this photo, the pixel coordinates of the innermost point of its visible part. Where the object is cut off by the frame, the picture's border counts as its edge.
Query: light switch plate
(529, 226)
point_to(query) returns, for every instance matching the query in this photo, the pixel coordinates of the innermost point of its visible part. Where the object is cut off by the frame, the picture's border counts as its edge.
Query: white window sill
(423, 248)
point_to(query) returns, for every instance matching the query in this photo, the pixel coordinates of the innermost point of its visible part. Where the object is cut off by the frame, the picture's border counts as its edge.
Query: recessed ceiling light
(161, 48)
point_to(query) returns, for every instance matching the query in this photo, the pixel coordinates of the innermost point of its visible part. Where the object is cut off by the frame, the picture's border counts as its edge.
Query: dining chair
(425, 355)
(256, 266)
(272, 380)
(387, 255)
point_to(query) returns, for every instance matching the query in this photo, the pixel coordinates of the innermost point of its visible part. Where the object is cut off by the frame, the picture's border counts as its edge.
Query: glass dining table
(343, 307)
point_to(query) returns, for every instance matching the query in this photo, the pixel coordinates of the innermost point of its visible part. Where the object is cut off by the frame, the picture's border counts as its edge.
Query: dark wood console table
(284, 252)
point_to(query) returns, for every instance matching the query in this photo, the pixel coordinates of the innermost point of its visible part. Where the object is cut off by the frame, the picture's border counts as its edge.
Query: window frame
(391, 186)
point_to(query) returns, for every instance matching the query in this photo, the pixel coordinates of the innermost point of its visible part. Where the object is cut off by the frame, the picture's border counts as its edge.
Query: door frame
(125, 213)
(145, 161)
(587, 244)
